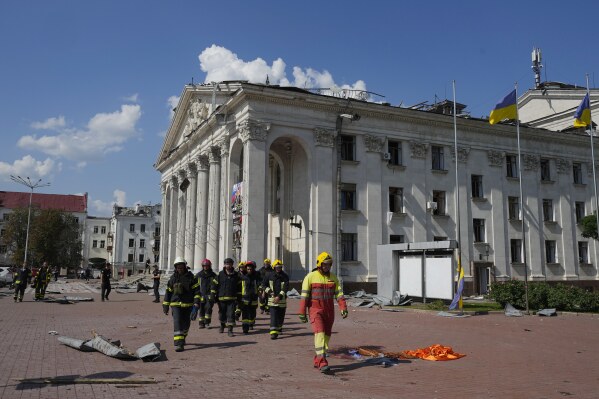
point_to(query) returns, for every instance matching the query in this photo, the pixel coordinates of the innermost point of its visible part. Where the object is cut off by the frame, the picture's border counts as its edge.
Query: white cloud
(132, 98)
(103, 208)
(50, 124)
(30, 167)
(104, 133)
(172, 103)
(221, 64)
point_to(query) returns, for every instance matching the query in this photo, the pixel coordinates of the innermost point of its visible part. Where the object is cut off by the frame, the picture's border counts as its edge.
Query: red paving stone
(527, 357)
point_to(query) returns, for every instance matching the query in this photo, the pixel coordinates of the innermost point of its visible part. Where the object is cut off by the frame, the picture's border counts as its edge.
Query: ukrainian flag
(457, 299)
(505, 109)
(582, 117)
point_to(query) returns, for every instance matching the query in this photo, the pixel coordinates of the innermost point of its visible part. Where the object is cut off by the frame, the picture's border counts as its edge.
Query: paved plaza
(529, 357)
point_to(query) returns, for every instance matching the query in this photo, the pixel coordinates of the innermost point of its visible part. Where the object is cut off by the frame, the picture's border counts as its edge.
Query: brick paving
(527, 357)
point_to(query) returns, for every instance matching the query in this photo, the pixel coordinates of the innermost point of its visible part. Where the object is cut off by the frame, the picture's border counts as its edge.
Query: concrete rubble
(148, 352)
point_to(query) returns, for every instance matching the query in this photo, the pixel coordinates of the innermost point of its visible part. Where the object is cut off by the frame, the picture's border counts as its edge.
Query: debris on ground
(81, 380)
(149, 352)
(435, 353)
(363, 299)
(293, 294)
(375, 355)
(449, 314)
(511, 311)
(68, 299)
(547, 312)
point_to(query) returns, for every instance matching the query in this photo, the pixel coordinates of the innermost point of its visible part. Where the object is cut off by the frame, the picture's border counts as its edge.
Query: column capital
(374, 143)
(224, 146)
(174, 181)
(253, 130)
(214, 154)
(163, 186)
(182, 173)
(324, 137)
(202, 162)
(191, 169)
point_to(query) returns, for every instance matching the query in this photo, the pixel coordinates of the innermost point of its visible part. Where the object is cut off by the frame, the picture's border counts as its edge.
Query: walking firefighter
(41, 281)
(264, 271)
(228, 295)
(180, 297)
(206, 278)
(319, 290)
(276, 285)
(22, 278)
(250, 280)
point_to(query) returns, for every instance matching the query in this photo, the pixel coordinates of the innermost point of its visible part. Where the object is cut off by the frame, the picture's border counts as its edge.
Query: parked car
(5, 275)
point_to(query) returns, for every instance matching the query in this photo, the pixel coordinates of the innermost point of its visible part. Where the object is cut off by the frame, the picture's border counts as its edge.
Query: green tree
(54, 237)
(589, 226)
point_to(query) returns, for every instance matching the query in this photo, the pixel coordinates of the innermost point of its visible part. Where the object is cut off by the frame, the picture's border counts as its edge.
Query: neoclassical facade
(252, 171)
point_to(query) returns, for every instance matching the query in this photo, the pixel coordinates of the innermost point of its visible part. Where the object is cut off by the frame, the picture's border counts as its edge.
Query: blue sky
(87, 87)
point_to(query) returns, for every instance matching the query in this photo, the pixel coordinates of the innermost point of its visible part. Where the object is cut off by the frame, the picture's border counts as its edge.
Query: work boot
(202, 324)
(221, 329)
(230, 332)
(179, 348)
(246, 329)
(274, 336)
(15, 300)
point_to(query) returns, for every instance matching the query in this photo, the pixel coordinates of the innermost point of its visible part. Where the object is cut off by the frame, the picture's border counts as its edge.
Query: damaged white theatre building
(254, 171)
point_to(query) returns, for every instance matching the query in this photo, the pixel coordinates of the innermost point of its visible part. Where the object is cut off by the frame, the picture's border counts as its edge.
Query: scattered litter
(449, 314)
(383, 361)
(149, 352)
(362, 299)
(53, 332)
(512, 311)
(547, 312)
(131, 326)
(141, 287)
(293, 294)
(373, 355)
(79, 380)
(391, 310)
(435, 353)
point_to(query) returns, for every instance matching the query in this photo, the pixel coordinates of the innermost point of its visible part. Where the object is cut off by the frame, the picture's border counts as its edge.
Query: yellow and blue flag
(582, 117)
(505, 109)
(457, 299)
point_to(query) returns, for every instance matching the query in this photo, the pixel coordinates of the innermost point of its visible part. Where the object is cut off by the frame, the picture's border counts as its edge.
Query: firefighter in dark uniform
(250, 280)
(105, 277)
(207, 280)
(180, 297)
(156, 283)
(23, 276)
(264, 271)
(228, 294)
(40, 282)
(276, 287)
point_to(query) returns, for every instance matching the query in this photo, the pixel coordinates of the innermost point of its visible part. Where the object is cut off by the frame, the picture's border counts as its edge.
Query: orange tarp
(435, 353)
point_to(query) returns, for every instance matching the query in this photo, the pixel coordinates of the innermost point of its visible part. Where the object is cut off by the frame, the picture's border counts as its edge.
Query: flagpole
(522, 203)
(593, 155)
(457, 198)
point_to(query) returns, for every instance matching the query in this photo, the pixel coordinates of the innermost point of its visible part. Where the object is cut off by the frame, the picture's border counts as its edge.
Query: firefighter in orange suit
(319, 290)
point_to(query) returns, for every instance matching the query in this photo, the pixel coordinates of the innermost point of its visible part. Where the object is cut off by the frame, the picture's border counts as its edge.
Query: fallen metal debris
(547, 312)
(511, 311)
(448, 314)
(101, 344)
(148, 352)
(75, 343)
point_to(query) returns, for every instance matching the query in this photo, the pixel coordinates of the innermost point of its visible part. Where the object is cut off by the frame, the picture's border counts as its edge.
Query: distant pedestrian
(156, 279)
(182, 298)
(56, 273)
(88, 274)
(40, 282)
(147, 268)
(23, 277)
(105, 277)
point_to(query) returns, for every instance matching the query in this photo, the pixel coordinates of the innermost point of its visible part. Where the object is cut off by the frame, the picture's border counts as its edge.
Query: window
(142, 243)
(348, 147)
(2, 232)
(76, 220)
(95, 244)
(348, 196)
(516, 251)
(513, 204)
(131, 242)
(5, 217)
(439, 238)
(548, 213)
(577, 171)
(102, 244)
(438, 158)
(396, 199)
(3, 249)
(156, 258)
(142, 228)
(95, 229)
(583, 252)
(396, 239)
(103, 229)
(349, 247)
(130, 258)
(478, 225)
(394, 148)
(156, 245)
(545, 170)
(550, 256)
(580, 211)
(477, 186)
(132, 228)
(511, 166)
(157, 231)
(141, 257)
(439, 199)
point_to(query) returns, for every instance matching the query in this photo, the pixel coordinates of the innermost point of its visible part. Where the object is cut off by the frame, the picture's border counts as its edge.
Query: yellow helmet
(277, 262)
(323, 257)
(241, 263)
(266, 260)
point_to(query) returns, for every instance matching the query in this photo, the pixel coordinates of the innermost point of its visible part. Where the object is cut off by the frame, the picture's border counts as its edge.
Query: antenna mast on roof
(536, 66)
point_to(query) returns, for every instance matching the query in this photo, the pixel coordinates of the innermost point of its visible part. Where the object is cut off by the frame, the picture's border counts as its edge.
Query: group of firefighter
(239, 293)
(23, 276)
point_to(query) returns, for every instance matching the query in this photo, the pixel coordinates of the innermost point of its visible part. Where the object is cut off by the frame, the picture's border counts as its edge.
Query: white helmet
(179, 259)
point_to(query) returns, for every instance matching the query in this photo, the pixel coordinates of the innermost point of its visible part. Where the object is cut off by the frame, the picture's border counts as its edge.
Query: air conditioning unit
(386, 156)
(431, 205)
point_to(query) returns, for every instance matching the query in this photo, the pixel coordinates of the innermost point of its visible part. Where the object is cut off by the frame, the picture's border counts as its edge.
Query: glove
(303, 318)
(211, 298)
(194, 313)
(344, 313)
(165, 309)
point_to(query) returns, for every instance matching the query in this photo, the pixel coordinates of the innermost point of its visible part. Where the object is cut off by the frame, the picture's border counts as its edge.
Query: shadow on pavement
(37, 383)
(220, 345)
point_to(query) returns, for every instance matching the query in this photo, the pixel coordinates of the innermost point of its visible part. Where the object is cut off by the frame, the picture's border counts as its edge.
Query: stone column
(180, 249)
(203, 165)
(225, 215)
(324, 210)
(190, 212)
(213, 225)
(255, 158)
(164, 226)
(172, 231)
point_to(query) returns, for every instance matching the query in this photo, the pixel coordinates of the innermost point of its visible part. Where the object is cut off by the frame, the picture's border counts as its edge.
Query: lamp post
(28, 183)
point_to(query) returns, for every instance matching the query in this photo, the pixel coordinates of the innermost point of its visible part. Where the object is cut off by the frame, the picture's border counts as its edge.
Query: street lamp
(27, 182)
